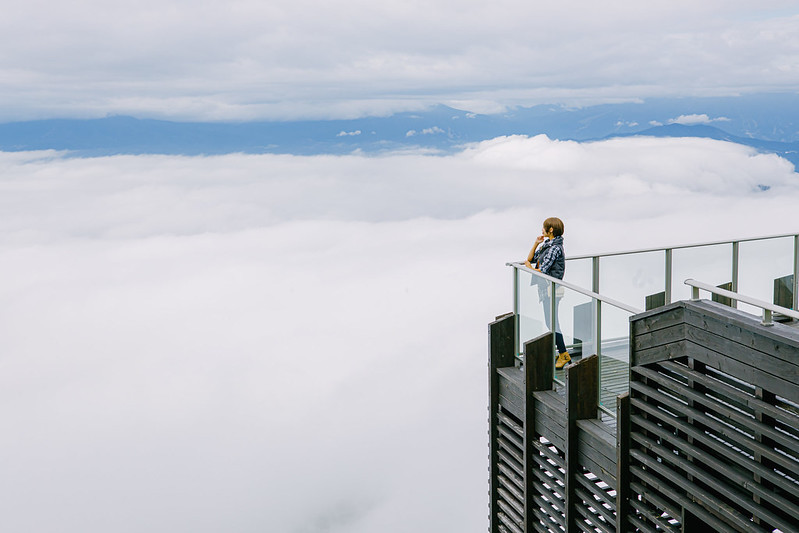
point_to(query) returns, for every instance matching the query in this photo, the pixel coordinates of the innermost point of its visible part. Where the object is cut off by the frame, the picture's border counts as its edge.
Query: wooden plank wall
(553, 463)
(707, 439)
(714, 421)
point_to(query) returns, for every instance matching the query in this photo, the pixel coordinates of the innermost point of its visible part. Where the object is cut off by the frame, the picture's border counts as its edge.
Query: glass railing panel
(631, 278)
(764, 270)
(711, 264)
(576, 319)
(580, 272)
(532, 321)
(614, 359)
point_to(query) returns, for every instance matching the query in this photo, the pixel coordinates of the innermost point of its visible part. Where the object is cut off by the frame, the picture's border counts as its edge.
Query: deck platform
(704, 438)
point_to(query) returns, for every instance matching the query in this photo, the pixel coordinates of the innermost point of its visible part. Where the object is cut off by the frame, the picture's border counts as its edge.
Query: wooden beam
(582, 396)
(501, 335)
(538, 374)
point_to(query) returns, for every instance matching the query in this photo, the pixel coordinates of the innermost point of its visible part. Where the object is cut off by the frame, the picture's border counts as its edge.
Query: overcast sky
(248, 59)
(253, 343)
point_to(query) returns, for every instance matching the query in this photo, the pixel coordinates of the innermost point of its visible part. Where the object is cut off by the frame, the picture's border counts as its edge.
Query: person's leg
(561, 345)
(563, 355)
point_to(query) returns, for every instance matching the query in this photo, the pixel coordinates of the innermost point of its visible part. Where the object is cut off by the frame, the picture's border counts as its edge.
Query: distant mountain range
(767, 122)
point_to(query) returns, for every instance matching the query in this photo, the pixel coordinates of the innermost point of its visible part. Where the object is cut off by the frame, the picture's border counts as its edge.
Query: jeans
(545, 300)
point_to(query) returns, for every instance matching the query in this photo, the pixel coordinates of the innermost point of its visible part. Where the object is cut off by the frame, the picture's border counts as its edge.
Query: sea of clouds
(253, 343)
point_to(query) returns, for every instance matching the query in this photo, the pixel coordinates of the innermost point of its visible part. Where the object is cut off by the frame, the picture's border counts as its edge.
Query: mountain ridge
(769, 123)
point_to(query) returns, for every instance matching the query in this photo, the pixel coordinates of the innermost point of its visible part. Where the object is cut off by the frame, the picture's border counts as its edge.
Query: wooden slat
(744, 371)
(594, 435)
(777, 341)
(772, 367)
(511, 500)
(681, 466)
(597, 454)
(510, 461)
(511, 487)
(510, 397)
(600, 471)
(673, 350)
(511, 436)
(742, 420)
(657, 499)
(585, 513)
(550, 513)
(649, 513)
(550, 454)
(659, 337)
(549, 428)
(659, 319)
(588, 494)
(512, 475)
(594, 525)
(727, 517)
(512, 424)
(508, 521)
(731, 435)
(547, 474)
(602, 493)
(720, 468)
(751, 401)
(555, 490)
(731, 455)
(512, 449)
(644, 527)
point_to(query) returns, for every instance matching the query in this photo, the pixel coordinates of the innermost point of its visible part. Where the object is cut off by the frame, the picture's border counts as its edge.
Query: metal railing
(768, 308)
(611, 342)
(789, 263)
(596, 336)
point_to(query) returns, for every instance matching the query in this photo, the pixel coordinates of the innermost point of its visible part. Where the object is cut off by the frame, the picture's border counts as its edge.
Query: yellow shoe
(562, 360)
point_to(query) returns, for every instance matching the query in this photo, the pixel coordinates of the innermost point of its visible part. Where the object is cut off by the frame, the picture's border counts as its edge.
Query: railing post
(669, 265)
(795, 273)
(736, 250)
(553, 310)
(595, 274)
(516, 324)
(598, 349)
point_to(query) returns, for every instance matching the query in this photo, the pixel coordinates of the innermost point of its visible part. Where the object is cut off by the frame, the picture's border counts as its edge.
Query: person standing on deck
(549, 258)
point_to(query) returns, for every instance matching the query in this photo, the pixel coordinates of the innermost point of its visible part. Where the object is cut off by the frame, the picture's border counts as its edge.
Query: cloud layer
(211, 61)
(248, 343)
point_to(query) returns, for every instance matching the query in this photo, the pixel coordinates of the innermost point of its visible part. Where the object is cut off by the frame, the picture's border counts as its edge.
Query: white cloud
(696, 119)
(254, 342)
(277, 62)
(348, 133)
(435, 130)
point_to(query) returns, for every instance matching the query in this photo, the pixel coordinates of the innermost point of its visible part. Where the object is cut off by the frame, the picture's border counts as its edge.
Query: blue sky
(285, 59)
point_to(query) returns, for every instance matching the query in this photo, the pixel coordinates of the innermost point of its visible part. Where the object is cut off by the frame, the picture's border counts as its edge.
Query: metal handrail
(681, 246)
(586, 292)
(768, 308)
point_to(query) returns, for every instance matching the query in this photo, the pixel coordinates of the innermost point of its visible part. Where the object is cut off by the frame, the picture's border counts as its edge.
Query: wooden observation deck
(705, 439)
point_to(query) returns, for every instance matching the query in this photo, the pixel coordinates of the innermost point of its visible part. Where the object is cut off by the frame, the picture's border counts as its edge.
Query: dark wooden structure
(706, 439)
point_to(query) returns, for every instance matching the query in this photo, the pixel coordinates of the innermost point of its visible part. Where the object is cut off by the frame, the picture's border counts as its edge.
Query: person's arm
(531, 255)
